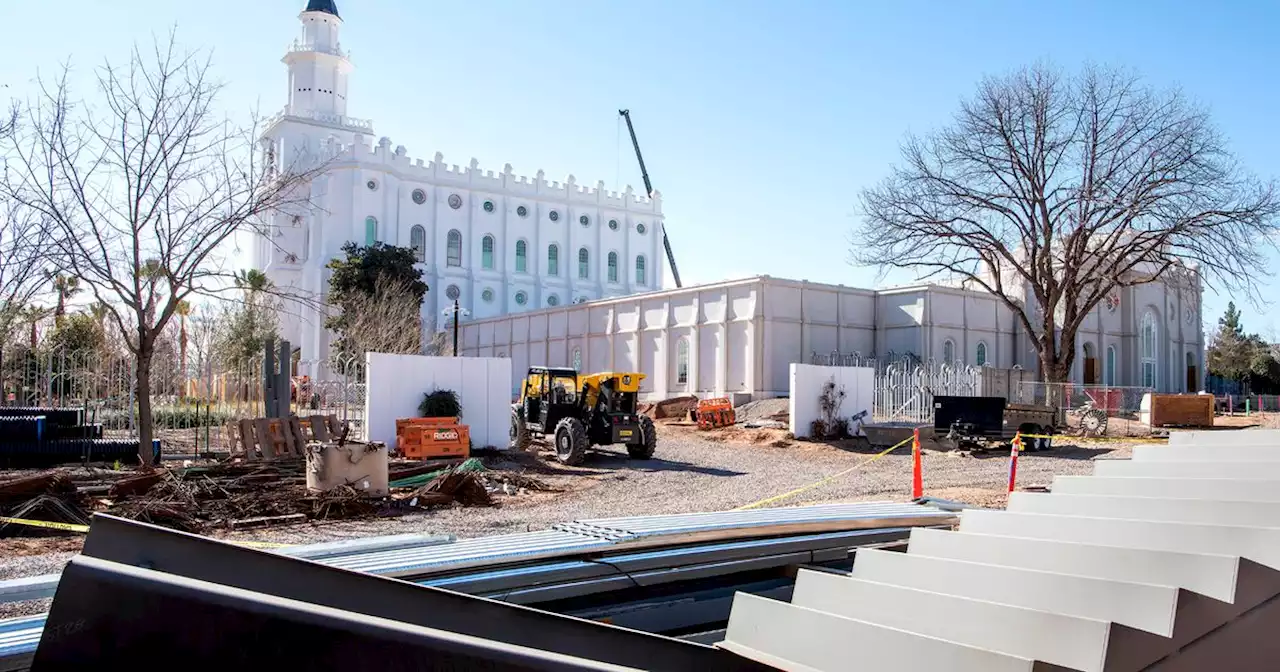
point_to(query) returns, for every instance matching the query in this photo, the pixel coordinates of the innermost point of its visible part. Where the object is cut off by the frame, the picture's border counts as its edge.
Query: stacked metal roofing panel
(1173, 566)
(587, 557)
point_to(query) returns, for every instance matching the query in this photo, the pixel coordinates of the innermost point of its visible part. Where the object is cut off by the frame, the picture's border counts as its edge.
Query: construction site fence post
(1014, 449)
(917, 469)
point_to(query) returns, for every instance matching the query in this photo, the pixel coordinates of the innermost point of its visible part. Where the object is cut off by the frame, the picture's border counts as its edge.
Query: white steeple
(318, 67)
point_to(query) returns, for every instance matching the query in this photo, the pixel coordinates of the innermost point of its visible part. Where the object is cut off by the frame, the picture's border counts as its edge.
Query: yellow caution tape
(826, 480)
(68, 527)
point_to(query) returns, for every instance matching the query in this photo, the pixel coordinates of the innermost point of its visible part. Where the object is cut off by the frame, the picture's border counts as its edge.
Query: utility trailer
(979, 423)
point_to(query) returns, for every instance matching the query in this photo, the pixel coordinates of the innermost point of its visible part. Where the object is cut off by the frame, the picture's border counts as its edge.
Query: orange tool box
(423, 438)
(716, 412)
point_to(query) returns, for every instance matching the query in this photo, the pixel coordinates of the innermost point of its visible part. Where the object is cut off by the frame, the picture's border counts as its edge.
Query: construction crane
(648, 189)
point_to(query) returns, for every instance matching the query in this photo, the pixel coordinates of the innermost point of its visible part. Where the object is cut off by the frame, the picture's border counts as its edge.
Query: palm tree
(184, 311)
(33, 315)
(99, 312)
(252, 281)
(66, 286)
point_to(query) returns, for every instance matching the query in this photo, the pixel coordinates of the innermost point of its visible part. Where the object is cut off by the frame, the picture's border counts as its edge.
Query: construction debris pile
(239, 495)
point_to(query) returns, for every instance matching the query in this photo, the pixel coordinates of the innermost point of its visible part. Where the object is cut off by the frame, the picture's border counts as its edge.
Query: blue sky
(760, 121)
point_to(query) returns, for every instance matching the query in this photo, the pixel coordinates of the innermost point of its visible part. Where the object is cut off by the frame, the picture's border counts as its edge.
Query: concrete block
(1142, 606)
(1237, 489)
(1203, 511)
(1242, 437)
(1207, 574)
(1069, 641)
(1204, 453)
(797, 639)
(1260, 544)
(1209, 468)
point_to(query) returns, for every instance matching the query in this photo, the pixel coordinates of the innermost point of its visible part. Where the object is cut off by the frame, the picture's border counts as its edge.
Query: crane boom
(648, 189)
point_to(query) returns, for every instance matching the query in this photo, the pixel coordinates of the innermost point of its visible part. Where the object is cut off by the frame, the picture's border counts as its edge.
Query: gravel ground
(692, 472)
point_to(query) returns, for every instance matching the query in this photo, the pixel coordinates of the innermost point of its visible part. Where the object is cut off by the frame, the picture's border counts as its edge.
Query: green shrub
(440, 404)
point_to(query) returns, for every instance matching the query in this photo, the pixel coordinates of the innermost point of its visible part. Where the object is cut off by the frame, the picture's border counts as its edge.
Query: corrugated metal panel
(20, 635)
(646, 526)
(507, 548)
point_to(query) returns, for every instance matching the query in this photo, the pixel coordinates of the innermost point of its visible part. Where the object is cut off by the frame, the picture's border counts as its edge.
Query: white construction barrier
(1241, 437)
(1237, 489)
(1216, 452)
(396, 384)
(1205, 469)
(788, 637)
(1210, 575)
(807, 382)
(1196, 511)
(1138, 605)
(1073, 642)
(1260, 544)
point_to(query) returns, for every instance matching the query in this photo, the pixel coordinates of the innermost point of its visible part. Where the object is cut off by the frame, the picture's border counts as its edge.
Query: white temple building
(496, 242)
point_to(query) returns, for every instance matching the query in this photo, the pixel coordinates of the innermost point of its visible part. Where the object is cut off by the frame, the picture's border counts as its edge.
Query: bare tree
(386, 321)
(23, 256)
(146, 189)
(1051, 191)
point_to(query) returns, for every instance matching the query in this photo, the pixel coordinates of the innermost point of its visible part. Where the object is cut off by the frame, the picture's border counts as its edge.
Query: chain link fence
(1095, 410)
(192, 403)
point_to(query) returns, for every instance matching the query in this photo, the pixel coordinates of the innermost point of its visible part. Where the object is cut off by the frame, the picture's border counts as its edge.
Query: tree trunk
(146, 424)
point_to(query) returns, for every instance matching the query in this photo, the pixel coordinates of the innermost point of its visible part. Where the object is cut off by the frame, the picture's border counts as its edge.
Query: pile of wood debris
(237, 495)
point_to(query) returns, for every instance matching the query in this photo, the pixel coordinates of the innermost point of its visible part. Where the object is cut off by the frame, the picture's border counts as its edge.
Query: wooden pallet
(275, 439)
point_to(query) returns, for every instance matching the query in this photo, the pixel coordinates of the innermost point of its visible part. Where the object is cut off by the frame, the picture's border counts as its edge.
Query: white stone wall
(743, 336)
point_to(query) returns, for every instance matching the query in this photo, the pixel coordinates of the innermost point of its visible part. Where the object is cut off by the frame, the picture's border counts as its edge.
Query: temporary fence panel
(395, 386)
(850, 394)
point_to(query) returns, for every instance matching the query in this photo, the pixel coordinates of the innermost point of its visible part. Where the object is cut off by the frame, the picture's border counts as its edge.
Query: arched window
(948, 351)
(584, 264)
(980, 358)
(370, 231)
(613, 267)
(1147, 341)
(553, 259)
(640, 274)
(454, 250)
(486, 252)
(1109, 370)
(522, 255)
(418, 241)
(682, 362)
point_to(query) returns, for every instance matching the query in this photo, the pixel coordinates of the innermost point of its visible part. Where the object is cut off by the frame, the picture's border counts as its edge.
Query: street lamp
(456, 311)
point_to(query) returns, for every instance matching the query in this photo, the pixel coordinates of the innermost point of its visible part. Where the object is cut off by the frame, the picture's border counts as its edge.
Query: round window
(372, 184)
(584, 220)
(488, 206)
(553, 300)
(555, 216)
(419, 196)
(487, 295)
(613, 224)
(455, 201)
(640, 228)
(453, 292)
(521, 298)
(522, 211)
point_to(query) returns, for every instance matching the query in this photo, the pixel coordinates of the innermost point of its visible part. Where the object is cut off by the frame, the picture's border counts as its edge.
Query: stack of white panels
(1169, 562)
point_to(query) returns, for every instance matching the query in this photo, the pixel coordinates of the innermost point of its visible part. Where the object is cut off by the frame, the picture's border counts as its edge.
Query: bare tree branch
(1051, 191)
(146, 189)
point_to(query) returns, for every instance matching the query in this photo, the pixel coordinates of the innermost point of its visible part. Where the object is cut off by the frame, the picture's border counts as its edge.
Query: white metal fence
(905, 385)
(191, 405)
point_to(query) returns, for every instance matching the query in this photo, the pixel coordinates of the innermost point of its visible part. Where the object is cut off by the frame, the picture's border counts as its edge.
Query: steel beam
(186, 555)
(108, 615)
